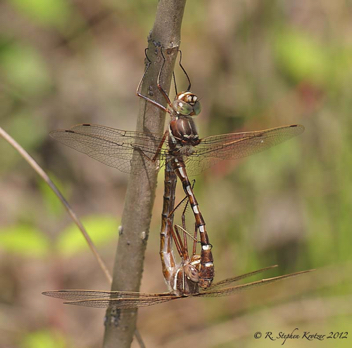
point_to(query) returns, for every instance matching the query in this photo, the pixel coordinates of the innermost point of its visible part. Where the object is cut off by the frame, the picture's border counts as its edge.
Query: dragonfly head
(191, 272)
(191, 268)
(186, 104)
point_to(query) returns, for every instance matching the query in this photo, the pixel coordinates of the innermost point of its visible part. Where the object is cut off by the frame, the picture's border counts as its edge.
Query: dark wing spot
(293, 125)
(86, 124)
(69, 131)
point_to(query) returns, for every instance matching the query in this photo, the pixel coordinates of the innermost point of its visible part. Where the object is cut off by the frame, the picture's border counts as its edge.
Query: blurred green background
(255, 64)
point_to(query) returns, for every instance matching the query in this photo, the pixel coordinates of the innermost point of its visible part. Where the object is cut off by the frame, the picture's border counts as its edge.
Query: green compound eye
(183, 108)
(197, 108)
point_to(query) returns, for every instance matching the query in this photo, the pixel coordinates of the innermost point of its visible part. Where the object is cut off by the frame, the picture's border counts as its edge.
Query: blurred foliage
(101, 230)
(52, 13)
(28, 77)
(24, 240)
(43, 339)
(255, 64)
(302, 57)
(27, 241)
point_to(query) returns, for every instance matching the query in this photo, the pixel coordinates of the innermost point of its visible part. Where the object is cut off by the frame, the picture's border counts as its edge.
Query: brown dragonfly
(180, 146)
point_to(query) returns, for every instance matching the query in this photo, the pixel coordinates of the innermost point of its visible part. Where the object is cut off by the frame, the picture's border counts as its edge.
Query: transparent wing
(237, 145)
(104, 299)
(234, 289)
(122, 303)
(120, 149)
(113, 147)
(126, 299)
(229, 281)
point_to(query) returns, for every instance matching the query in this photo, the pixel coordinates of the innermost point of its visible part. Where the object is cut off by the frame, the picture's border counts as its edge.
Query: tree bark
(120, 325)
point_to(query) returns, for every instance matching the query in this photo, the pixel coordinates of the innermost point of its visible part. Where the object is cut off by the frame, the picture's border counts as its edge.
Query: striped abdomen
(206, 273)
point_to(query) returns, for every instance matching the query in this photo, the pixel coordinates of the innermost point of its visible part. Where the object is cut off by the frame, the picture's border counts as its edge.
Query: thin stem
(46, 178)
(136, 217)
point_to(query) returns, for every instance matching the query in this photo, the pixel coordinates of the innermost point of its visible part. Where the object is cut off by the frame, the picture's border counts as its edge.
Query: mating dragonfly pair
(182, 152)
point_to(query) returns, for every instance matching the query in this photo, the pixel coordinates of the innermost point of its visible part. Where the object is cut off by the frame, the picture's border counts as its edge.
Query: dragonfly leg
(183, 69)
(138, 91)
(195, 241)
(195, 235)
(184, 226)
(177, 206)
(183, 244)
(147, 65)
(177, 239)
(157, 153)
(174, 78)
(161, 89)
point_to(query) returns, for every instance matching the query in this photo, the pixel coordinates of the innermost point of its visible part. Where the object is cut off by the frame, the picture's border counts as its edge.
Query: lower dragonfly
(182, 278)
(180, 146)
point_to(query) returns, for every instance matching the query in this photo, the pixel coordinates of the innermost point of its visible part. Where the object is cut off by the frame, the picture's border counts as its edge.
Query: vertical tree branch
(128, 267)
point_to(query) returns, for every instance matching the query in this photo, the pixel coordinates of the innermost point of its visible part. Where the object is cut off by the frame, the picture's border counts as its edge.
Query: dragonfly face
(192, 273)
(186, 104)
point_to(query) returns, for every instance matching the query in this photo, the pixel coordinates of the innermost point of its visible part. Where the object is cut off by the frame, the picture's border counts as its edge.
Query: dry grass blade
(46, 178)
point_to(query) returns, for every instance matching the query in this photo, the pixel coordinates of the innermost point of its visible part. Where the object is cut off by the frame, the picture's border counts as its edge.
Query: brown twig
(128, 266)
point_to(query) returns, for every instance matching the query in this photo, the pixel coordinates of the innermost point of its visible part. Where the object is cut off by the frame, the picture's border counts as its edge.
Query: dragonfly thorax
(186, 104)
(183, 135)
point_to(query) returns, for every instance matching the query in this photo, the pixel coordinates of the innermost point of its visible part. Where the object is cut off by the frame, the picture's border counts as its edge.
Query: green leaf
(101, 229)
(47, 12)
(24, 240)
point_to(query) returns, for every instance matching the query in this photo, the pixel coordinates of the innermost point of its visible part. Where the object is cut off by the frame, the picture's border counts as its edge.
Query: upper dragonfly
(180, 146)
(116, 147)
